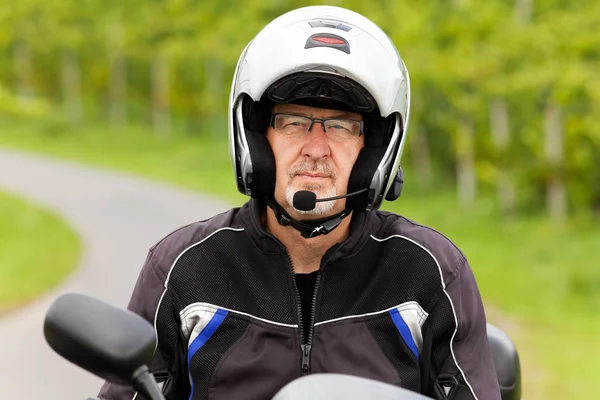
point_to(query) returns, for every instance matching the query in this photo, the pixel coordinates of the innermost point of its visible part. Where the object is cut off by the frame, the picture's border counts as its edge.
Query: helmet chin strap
(307, 228)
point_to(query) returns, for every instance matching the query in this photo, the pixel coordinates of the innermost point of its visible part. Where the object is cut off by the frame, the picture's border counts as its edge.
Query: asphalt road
(118, 218)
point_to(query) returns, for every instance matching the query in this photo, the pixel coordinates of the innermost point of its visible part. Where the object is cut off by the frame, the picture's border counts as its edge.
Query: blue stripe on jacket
(404, 331)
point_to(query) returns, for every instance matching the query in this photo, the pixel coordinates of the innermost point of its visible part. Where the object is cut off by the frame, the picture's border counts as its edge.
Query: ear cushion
(263, 164)
(256, 120)
(362, 174)
(378, 130)
(377, 136)
(256, 114)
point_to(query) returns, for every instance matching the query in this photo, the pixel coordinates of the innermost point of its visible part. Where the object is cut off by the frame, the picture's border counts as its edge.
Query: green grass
(37, 250)
(544, 280)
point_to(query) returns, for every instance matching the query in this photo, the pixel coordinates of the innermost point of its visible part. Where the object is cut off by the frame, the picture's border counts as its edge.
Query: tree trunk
(161, 117)
(523, 10)
(500, 128)
(71, 87)
(23, 70)
(117, 85)
(553, 149)
(214, 86)
(465, 163)
(421, 158)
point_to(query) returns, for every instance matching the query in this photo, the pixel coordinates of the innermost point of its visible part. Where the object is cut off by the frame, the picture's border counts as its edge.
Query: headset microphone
(306, 200)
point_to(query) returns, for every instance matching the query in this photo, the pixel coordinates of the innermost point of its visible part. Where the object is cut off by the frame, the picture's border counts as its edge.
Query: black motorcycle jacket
(395, 302)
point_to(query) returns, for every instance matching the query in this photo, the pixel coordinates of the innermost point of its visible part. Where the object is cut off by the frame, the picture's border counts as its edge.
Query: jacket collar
(361, 227)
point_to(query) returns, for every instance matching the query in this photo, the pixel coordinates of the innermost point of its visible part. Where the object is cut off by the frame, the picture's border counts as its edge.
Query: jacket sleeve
(461, 365)
(148, 295)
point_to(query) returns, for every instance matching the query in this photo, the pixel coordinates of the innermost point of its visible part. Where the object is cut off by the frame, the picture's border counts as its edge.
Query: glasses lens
(291, 124)
(342, 129)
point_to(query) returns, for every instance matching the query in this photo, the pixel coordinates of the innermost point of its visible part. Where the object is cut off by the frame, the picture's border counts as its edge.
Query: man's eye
(339, 127)
(294, 123)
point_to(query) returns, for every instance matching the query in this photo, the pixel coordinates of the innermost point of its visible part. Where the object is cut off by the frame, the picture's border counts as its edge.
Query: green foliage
(462, 56)
(10, 106)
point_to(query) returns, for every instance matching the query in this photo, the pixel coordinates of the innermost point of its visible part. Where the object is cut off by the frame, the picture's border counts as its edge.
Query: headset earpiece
(396, 188)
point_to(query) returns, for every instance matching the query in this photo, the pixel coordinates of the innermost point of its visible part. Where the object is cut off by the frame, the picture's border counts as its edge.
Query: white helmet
(330, 56)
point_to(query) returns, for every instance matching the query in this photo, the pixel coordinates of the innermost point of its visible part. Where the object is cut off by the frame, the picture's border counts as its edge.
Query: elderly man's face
(317, 161)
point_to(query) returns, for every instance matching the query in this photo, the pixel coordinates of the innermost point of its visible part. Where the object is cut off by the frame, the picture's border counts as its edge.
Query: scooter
(118, 345)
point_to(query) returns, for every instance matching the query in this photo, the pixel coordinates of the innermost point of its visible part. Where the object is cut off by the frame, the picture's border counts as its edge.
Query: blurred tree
(21, 18)
(504, 94)
(117, 81)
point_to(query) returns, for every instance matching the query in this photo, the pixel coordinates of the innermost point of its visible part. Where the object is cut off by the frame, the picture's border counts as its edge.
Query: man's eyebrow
(337, 114)
(343, 114)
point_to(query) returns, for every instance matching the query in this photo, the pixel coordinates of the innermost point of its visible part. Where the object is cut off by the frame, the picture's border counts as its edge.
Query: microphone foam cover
(304, 200)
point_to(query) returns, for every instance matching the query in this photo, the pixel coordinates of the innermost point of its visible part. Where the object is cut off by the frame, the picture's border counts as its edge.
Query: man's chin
(319, 189)
(321, 210)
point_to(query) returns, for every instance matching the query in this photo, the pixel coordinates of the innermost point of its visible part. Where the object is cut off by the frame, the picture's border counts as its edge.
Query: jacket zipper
(305, 348)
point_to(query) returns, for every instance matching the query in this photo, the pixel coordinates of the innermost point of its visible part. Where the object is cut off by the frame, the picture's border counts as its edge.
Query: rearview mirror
(107, 341)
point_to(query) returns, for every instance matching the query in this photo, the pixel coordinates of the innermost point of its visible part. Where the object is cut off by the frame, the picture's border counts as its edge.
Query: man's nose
(317, 144)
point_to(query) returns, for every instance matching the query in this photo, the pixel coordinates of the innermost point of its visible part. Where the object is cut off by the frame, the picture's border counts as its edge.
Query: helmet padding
(378, 131)
(320, 85)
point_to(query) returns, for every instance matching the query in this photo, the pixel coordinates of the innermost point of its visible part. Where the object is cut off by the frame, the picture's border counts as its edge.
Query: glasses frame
(321, 120)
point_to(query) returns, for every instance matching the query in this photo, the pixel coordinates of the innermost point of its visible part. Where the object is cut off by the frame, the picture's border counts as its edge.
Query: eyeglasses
(336, 129)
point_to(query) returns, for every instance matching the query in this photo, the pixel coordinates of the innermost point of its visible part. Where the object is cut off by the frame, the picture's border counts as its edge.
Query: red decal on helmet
(328, 40)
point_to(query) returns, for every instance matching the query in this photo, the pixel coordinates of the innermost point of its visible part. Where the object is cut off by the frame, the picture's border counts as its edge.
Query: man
(288, 285)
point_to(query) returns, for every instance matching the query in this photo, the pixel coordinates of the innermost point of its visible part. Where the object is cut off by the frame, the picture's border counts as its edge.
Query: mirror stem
(144, 382)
